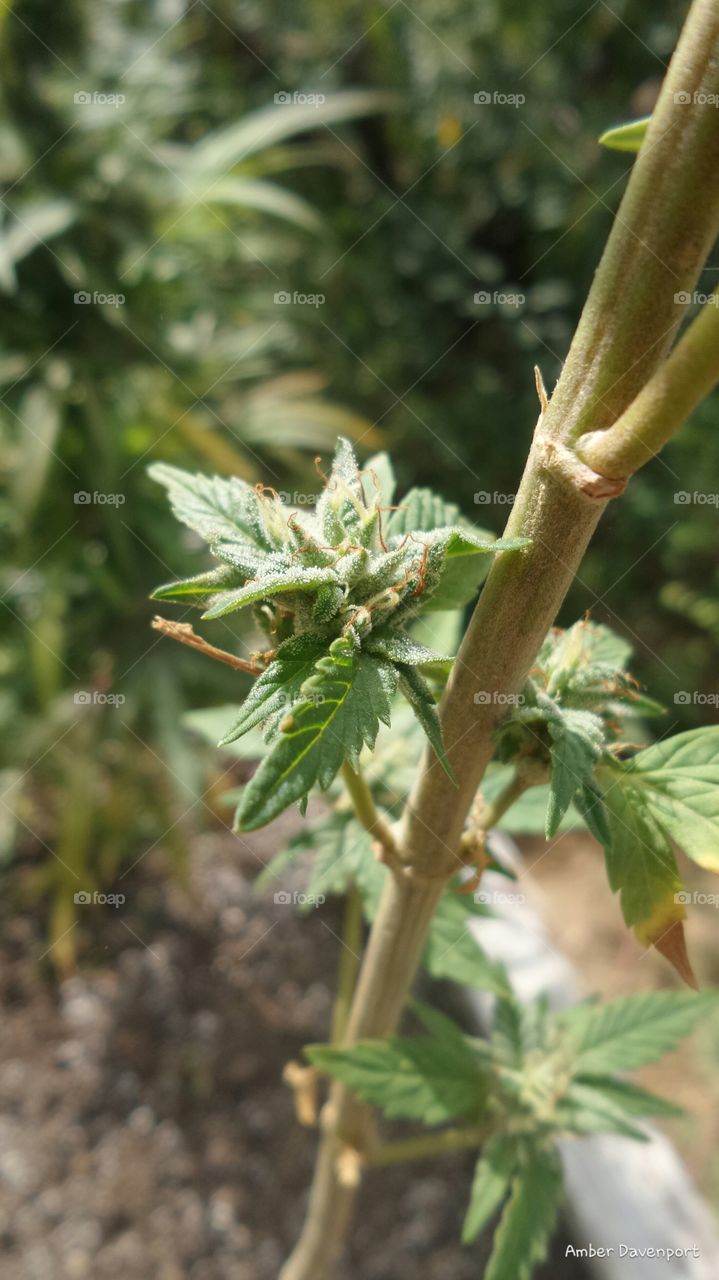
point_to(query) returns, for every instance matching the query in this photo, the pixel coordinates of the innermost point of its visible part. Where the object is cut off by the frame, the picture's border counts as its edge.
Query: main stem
(664, 229)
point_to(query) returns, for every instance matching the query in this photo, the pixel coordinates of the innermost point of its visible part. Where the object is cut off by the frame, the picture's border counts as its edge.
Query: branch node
(557, 457)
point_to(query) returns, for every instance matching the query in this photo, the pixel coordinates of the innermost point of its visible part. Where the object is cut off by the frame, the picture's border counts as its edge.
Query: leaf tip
(673, 946)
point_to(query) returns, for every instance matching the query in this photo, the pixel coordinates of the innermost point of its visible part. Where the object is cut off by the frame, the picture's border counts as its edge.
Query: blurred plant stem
(350, 959)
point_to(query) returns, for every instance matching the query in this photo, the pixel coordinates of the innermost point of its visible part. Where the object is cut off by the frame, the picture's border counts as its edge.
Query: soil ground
(144, 1128)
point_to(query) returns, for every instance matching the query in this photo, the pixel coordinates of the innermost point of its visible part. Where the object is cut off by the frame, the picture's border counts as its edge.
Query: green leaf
(211, 723)
(201, 586)
(491, 1183)
(423, 1079)
(590, 805)
(278, 584)
(635, 1100)
(679, 779)
(577, 741)
(342, 706)
(586, 1109)
(466, 563)
(222, 149)
(420, 511)
(525, 1229)
(641, 865)
(630, 1032)
(452, 952)
(277, 689)
(528, 814)
(397, 646)
(421, 699)
(343, 858)
(267, 197)
(214, 507)
(626, 137)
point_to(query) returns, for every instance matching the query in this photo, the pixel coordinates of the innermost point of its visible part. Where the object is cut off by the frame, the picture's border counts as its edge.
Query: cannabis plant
(348, 597)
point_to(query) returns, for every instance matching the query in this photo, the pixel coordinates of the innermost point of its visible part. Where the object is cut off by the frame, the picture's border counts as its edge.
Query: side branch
(184, 634)
(690, 372)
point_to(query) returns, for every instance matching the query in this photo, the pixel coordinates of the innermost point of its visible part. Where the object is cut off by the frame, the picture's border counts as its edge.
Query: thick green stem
(663, 404)
(660, 239)
(349, 962)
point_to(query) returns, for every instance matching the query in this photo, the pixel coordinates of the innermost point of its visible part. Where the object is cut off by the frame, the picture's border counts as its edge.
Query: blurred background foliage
(199, 198)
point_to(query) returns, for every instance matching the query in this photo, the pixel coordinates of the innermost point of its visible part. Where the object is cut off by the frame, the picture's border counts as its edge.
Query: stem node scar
(559, 458)
(303, 1083)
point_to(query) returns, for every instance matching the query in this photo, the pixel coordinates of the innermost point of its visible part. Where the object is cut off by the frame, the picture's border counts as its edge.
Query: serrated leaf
(633, 1031)
(276, 690)
(576, 743)
(528, 814)
(679, 780)
(395, 645)
(626, 137)
(440, 1026)
(343, 857)
(214, 507)
(200, 586)
(266, 587)
(586, 1109)
(631, 1097)
(421, 699)
(519, 1030)
(342, 708)
(452, 952)
(491, 1183)
(525, 1229)
(642, 868)
(420, 511)
(590, 805)
(423, 1079)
